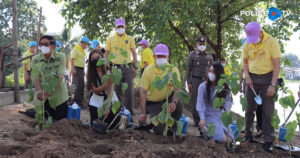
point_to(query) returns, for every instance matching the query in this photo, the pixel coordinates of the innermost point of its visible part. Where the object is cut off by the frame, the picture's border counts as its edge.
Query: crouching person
(205, 104)
(99, 91)
(54, 63)
(152, 101)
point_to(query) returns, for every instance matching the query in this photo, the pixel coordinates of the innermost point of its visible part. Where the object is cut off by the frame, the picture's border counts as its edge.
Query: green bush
(9, 80)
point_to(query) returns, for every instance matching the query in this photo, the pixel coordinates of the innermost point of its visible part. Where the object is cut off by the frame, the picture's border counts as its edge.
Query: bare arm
(276, 70)
(247, 75)
(106, 53)
(134, 57)
(104, 86)
(72, 66)
(145, 65)
(143, 95)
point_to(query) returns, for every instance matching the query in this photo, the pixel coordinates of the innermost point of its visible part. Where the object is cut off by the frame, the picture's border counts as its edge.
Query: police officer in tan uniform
(198, 64)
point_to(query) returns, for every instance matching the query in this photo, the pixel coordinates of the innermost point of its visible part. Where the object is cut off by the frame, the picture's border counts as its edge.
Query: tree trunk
(15, 51)
(219, 31)
(2, 74)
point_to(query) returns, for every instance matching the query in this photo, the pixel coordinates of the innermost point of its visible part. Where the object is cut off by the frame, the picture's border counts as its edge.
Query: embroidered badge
(126, 42)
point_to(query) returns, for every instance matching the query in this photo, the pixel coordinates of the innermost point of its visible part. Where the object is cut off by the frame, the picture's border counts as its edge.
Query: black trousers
(108, 120)
(59, 113)
(79, 85)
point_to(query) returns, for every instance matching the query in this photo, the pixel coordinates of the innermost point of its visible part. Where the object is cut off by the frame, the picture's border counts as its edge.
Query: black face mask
(94, 62)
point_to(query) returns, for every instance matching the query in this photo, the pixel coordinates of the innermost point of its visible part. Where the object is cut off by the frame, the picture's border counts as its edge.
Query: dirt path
(72, 139)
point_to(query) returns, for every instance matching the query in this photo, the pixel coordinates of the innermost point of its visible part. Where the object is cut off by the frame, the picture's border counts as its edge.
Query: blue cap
(95, 43)
(57, 43)
(85, 39)
(32, 43)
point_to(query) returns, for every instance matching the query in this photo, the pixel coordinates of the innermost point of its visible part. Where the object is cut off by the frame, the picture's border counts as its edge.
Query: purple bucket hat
(161, 49)
(119, 22)
(252, 32)
(145, 42)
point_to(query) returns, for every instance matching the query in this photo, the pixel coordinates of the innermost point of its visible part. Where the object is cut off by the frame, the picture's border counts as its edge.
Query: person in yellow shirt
(147, 55)
(261, 55)
(78, 56)
(27, 63)
(152, 101)
(226, 68)
(122, 47)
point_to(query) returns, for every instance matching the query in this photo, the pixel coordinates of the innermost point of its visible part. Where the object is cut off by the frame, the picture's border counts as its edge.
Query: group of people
(261, 66)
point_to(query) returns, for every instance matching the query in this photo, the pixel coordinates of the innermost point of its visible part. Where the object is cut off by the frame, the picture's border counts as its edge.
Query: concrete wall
(7, 98)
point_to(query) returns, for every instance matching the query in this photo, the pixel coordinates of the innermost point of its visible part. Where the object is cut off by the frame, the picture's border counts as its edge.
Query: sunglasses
(45, 44)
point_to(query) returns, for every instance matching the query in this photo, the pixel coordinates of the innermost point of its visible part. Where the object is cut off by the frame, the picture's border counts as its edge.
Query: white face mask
(211, 77)
(44, 49)
(139, 48)
(121, 31)
(202, 47)
(161, 61)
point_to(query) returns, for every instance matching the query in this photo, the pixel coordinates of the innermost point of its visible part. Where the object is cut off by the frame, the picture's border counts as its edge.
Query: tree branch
(227, 5)
(190, 47)
(235, 12)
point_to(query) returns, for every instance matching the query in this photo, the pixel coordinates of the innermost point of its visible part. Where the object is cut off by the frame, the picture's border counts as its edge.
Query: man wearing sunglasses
(44, 66)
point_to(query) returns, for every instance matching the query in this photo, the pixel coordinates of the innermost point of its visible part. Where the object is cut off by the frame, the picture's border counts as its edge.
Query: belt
(79, 67)
(122, 65)
(201, 78)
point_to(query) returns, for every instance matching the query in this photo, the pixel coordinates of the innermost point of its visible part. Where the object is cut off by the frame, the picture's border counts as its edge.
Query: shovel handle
(291, 113)
(253, 91)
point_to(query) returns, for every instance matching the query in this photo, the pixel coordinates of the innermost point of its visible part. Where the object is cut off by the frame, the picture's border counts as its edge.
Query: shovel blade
(258, 100)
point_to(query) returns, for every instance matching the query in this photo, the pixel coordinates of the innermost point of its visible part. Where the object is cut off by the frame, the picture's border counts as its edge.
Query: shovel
(257, 98)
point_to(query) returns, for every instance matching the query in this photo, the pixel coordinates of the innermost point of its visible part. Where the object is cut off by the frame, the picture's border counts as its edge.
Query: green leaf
(243, 102)
(226, 118)
(298, 118)
(290, 130)
(116, 76)
(155, 120)
(275, 119)
(288, 101)
(218, 102)
(107, 102)
(124, 87)
(111, 56)
(100, 112)
(53, 102)
(218, 89)
(100, 62)
(165, 131)
(162, 83)
(211, 129)
(162, 117)
(175, 81)
(184, 96)
(179, 127)
(123, 53)
(153, 84)
(31, 95)
(240, 123)
(115, 107)
(104, 78)
(170, 121)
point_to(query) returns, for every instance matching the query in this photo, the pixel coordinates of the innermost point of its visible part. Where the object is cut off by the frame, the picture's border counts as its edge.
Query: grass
(9, 80)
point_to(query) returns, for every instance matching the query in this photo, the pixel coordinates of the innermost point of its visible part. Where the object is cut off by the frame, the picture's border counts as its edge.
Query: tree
(294, 59)
(27, 25)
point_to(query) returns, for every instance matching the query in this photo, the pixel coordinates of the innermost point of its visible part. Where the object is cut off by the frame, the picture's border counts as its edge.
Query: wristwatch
(273, 85)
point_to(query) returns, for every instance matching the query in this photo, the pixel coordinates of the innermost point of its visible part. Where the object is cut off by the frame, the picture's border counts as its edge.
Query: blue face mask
(223, 64)
(57, 49)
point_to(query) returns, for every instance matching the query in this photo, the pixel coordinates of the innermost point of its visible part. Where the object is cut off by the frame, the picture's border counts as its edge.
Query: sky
(55, 24)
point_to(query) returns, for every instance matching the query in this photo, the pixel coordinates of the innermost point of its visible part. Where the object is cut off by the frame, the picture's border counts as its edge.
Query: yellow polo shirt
(117, 43)
(149, 75)
(78, 54)
(147, 56)
(260, 56)
(27, 61)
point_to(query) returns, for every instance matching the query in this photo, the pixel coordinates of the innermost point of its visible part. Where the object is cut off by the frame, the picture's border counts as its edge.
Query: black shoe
(248, 139)
(268, 147)
(258, 135)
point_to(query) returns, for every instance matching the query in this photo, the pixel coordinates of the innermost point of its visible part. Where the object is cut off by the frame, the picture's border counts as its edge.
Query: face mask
(202, 48)
(161, 61)
(121, 31)
(94, 62)
(223, 64)
(57, 49)
(211, 77)
(258, 40)
(44, 49)
(139, 48)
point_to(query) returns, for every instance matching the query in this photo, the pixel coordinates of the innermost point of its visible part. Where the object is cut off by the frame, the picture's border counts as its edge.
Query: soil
(70, 138)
